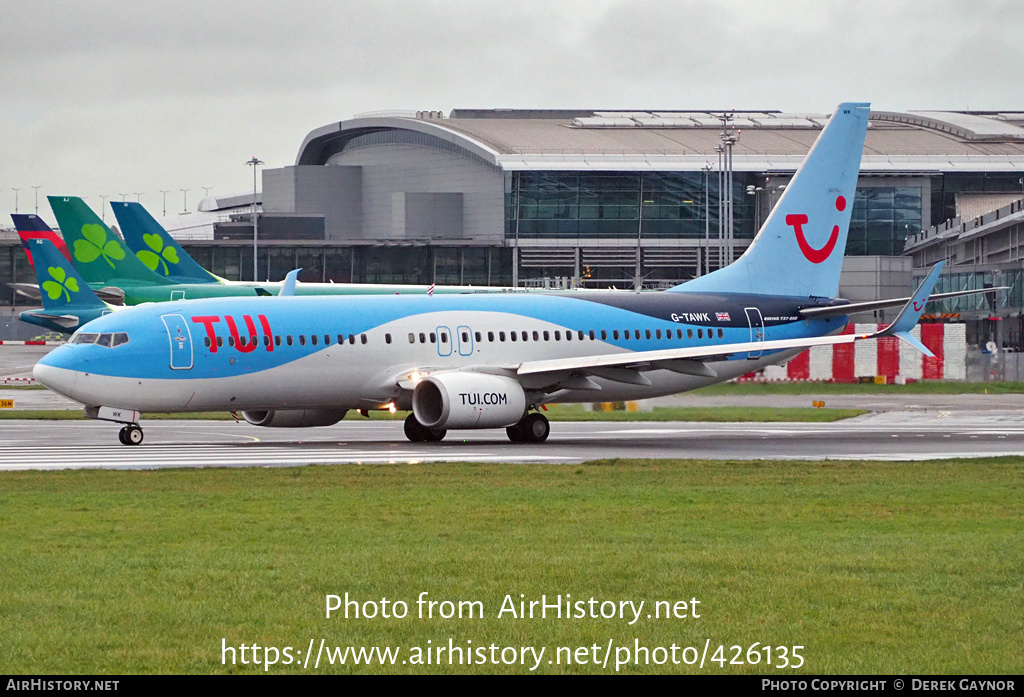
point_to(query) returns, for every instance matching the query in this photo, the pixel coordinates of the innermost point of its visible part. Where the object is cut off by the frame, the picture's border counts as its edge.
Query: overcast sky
(108, 98)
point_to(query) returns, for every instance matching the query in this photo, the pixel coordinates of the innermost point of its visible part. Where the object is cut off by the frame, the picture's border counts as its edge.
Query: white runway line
(143, 457)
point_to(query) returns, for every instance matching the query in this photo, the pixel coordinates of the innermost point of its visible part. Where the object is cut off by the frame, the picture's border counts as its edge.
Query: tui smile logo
(60, 284)
(160, 254)
(815, 256)
(96, 245)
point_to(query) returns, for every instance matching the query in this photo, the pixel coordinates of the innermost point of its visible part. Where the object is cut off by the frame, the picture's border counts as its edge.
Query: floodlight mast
(255, 162)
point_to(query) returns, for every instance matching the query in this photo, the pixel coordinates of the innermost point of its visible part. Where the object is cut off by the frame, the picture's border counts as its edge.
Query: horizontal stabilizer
(28, 290)
(67, 321)
(872, 305)
(111, 294)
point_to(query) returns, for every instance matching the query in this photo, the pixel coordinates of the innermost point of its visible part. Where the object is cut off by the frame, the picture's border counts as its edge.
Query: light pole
(138, 196)
(255, 162)
(103, 206)
(206, 190)
(707, 220)
(164, 192)
(15, 198)
(184, 200)
(37, 197)
(755, 191)
(727, 141)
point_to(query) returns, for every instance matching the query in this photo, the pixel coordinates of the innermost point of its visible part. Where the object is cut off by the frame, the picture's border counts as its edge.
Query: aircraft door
(444, 341)
(756, 322)
(465, 338)
(177, 295)
(181, 341)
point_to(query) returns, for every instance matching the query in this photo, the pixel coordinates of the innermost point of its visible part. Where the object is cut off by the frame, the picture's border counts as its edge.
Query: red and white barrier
(17, 382)
(887, 357)
(4, 342)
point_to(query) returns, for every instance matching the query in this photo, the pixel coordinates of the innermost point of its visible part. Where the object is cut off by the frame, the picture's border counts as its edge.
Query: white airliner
(489, 361)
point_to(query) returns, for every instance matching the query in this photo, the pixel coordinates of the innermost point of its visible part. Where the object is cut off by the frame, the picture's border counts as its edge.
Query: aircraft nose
(56, 378)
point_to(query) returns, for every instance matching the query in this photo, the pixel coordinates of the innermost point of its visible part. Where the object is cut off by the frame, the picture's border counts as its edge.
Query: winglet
(288, 287)
(909, 316)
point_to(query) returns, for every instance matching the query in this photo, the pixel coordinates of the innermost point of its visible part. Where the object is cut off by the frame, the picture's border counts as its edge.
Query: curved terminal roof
(897, 142)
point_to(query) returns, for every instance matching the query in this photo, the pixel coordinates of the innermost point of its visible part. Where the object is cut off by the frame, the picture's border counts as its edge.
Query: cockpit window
(109, 340)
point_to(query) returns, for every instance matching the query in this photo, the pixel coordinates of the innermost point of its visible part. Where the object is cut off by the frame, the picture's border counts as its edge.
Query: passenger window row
(568, 335)
(289, 340)
(442, 337)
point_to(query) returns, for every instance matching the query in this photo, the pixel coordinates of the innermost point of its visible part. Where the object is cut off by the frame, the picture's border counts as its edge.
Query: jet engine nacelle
(294, 418)
(468, 400)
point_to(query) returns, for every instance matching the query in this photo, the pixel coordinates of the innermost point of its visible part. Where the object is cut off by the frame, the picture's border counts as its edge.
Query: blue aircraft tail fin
(68, 302)
(155, 247)
(799, 249)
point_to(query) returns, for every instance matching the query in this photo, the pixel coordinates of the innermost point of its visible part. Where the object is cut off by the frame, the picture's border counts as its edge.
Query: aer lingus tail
(155, 248)
(98, 253)
(68, 302)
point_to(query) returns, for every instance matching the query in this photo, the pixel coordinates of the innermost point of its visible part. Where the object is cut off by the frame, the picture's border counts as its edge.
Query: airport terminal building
(595, 198)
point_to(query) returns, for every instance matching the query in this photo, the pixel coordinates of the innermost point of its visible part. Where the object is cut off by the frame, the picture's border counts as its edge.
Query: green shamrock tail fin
(98, 253)
(155, 247)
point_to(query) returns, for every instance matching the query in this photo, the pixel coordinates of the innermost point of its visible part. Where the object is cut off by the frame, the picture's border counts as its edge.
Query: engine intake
(468, 400)
(294, 418)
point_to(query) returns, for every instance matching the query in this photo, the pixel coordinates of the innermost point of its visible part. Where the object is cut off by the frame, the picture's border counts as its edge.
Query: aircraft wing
(685, 360)
(872, 305)
(627, 367)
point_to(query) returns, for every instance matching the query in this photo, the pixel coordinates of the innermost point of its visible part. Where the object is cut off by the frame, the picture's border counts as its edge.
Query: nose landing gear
(131, 434)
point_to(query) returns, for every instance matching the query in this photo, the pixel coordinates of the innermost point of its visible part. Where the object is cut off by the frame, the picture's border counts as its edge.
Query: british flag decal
(723, 317)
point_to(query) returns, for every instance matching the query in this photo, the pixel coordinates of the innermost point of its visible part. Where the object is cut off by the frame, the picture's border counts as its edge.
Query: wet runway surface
(906, 436)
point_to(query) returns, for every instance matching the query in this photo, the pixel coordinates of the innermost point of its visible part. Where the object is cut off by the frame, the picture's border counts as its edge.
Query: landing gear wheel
(418, 433)
(413, 430)
(532, 428)
(130, 435)
(134, 436)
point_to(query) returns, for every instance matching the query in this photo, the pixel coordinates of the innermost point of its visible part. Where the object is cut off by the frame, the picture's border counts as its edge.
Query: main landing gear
(418, 433)
(532, 428)
(130, 434)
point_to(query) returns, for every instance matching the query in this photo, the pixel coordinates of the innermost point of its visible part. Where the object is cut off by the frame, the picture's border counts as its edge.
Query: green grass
(554, 413)
(816, 388)
(872, 567)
